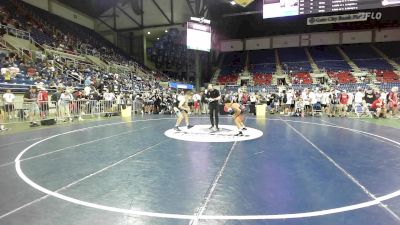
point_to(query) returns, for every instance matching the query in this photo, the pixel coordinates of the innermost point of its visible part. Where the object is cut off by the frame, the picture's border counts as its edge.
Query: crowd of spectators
(153, 99)
(73, 87)
(19, 15)
(324, 101)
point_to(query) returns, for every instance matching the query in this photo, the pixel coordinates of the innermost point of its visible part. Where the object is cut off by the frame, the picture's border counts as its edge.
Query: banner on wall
(180, 86)
(346, 18)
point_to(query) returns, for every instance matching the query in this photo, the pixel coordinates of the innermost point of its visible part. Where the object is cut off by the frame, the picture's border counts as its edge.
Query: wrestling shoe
(240, 134)
(177, 129)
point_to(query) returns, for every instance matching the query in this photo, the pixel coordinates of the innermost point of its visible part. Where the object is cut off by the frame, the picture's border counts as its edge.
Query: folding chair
(317, 108)
(362, 110)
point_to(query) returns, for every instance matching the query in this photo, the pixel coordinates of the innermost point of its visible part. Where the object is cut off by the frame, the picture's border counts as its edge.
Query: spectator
(8, 99)
(204, 103)
(55, 97)
(290, 101)
(109, 99)
(378, 107)
(393, 101)
(253, 101)
(196, 103)
(306, 97)
(359, 96)
(343, 103)
(64, 103)
(30, 100)
(43, 102)
(333, 98)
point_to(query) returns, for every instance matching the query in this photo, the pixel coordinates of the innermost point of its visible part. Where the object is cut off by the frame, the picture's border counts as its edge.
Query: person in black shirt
(157, 103)
(369, 97)
(213, 98)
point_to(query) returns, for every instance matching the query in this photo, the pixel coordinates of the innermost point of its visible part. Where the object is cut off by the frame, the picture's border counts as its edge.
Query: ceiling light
(158, 38)
(232, 2)
(148, 32)
(166, 31)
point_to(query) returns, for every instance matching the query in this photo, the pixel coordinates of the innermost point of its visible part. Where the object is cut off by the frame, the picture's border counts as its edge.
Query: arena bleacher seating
(169, 52)
(262, 61)
(390, 49)
(294, 60)
(48, 31)
(262, 79)
(233, 63)
(387, 76)
(365, 57)
(302, 78)
(342, 77)
(262, 66)
(328, 58)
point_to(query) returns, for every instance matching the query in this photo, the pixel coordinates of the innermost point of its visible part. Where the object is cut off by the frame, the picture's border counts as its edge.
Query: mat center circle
(203, 133)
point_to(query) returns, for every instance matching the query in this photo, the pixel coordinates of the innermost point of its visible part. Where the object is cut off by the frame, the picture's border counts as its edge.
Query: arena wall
(258, 43)
(63, 11)
(312, 39)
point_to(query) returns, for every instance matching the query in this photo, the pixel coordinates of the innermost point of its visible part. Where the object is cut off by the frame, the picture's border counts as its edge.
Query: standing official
(213, 96)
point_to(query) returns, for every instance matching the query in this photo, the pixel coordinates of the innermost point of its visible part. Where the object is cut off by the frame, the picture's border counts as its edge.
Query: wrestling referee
(213, 96)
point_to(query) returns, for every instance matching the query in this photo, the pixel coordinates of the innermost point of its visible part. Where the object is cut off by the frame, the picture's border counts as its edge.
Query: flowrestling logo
(346, 18)
(202, 133)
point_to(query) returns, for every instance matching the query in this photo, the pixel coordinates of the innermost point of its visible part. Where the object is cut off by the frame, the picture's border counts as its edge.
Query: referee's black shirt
(213, 94)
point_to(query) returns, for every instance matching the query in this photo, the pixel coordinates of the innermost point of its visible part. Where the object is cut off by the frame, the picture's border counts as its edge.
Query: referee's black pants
(213, 107)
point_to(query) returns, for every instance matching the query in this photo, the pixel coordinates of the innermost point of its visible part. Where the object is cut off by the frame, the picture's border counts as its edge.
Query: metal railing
(19, 112)
(16, 32)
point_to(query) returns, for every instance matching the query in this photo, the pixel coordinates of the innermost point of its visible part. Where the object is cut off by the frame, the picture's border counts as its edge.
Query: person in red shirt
(43, 102)
(378, 106)
(343, 103)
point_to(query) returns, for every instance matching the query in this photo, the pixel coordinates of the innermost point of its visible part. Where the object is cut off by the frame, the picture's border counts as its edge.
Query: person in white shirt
(109, 98)
(317, 101)
(313, 97)
(306, 96)
(359, 105)
(87, 90)
(318, 96)
(359, 96)
(8, 99)
(289, 102)
(64, 102)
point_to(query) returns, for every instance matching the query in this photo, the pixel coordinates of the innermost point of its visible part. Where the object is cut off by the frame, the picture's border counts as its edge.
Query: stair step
(348, 60)
(384, 56)
(314, 66)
